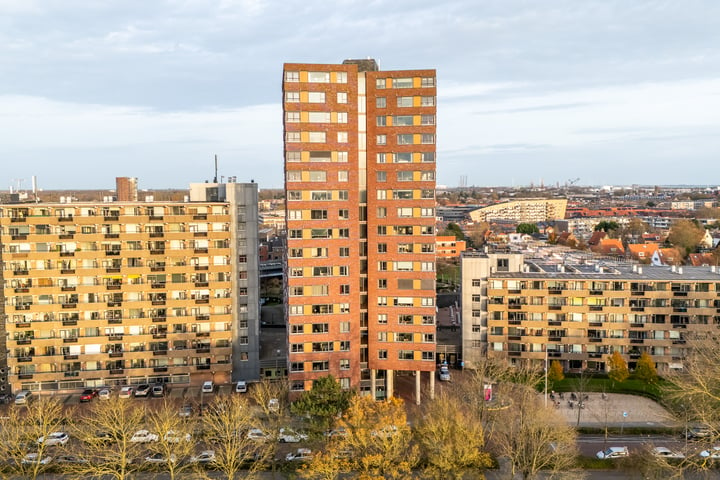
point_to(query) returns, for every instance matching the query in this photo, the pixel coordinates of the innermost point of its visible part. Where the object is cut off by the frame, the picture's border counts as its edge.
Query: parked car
(101, 437)
(54, 439)
(104, 394)
(612, 452)
(173, 437)
(142, 390)
(444, 374)
(87, 395)
(700, 431)
(257, 435)
(204, 457)
(126, 392)
(143, 436)
(33, 458)
(301, 455)
(185, 411)
(274, 405)
(337, 432)
(70, 459)
(208, 387)
(160, 459)
(663, 452)
(713, 453)
(158, 391)
(23, 397)
(288, 435)
(241, 387)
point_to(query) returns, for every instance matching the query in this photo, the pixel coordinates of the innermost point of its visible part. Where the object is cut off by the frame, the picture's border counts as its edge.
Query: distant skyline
(610, 92)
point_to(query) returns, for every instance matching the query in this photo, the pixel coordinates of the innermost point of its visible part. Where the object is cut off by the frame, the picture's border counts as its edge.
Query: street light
(546, 375)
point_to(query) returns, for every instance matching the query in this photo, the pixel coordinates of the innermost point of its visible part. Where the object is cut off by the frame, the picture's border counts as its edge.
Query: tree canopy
(618, 368)
(325, 402)
(527, 228)
(453, 229)
(607, 226)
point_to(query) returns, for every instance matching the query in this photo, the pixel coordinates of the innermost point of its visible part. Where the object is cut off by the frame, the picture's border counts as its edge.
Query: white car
(241, 387)
(612, 452)
(663, 452)
(208, 387)
(257, 435)
(160, 459)
(206, 456)
(290, 436)
(143, 436)
(104, 394)
(173, 437)
(54, 439)
(33, 458)
(274, 405)
(444, 374)
(126, 392)
(302, 455)
(713, 453)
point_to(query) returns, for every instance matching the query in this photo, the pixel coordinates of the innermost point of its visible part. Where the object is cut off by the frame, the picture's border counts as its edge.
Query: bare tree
(21, 431)
(271, 398)
(175, 443)
(534, 438)
(451, 439)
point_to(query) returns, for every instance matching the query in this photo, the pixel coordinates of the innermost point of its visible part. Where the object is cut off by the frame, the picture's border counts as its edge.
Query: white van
(241, 387)
(208, 387)
(23, 397)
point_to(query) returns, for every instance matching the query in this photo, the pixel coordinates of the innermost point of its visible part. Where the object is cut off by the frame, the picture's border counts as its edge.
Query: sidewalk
(616, 410)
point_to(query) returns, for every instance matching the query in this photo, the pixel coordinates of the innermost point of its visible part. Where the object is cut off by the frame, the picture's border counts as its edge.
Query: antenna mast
(215, 178)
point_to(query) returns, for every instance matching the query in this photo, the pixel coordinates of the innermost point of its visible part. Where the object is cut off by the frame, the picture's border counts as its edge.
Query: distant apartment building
(126, 189)
(581, 314)
(449, 246)
(524, 211)
(360, 194)
(117, 293)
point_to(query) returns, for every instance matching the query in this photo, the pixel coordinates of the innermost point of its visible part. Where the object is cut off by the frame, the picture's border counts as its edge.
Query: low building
(449, 246)
(524, 211)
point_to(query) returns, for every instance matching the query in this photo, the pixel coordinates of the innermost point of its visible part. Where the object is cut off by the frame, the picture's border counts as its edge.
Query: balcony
(157, 252)
(25, 376)
(198, 268)
(20, 272)
(160, 369)
(74, 373)
(69, 305)
(67, 271)
(202, 367)
(594, 355)
(554, 307)
(679, 341)
(554, 323)
(159, 318)
(114, 321)
(554, 354)
(112, 235)
(111, 218)
(70, 357)
(512, 338)
(157, 336)
(24, 359)
(202, 284)
(159, 352)
(637, 325)
(596, 308)
(67, 218)
(22, 307)
(637, 309)
(595, 339)
(595, 324)
(18, 219)
(200, 234)
(596, 292)
(680, 294)
(113, 287)
(70, 340)
(20, 237)
(157, 285)
(555, 339)
(637, 340)
(199, 301)
(23, 325)
(112, 270)
(514, 306)
(115, 337)
(555, 291)
(200, 250)
(112, 253)
(637, 293)
(202, 317)
(24, 341)
(114, 304)
(116, 371)
(116, 354)
(157, 235)
(67, 254)
(67, 289)
(67, 323)
(200, 217)
(157, 269)
(66, 236)
(158, 302)
(202, 334)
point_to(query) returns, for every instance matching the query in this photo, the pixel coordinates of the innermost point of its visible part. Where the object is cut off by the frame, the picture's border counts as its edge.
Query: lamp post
(546, 376)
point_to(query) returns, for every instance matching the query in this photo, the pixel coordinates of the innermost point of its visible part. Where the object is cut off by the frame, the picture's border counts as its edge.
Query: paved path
(616, 410)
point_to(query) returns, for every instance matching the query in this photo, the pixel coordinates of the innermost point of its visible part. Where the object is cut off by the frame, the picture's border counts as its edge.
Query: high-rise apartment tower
(360, 190)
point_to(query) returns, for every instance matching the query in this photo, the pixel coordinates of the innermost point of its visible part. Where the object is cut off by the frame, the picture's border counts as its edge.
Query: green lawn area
(603, 384)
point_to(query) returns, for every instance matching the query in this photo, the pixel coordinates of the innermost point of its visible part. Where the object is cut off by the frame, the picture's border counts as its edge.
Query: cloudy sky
(607, 91)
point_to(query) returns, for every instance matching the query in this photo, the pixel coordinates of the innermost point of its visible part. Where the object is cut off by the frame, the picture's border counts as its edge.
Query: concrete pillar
(373, 383)
(432, 385)
(389, 383)
(418, 377)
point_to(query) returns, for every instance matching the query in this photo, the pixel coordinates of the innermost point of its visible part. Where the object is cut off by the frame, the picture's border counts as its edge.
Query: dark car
(87, 395)
(142, 390)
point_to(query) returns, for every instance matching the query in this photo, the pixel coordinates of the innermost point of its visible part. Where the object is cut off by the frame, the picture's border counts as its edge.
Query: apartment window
(342, 157)
(380, 83)
(317, 176)
(297, 386)
(402, 120)
(427, 120)
(295, 233)
(316, 117)
(382, 283)
(343, 270)
(381, 139)
(427, 248)
(292, 117)
(381, 120)
(382, 354)
(427, 266)
(320, 328)
(344, 251)
(381, 194)
(344, 327)
(316, 137)
(342, 176)
(321, 271)
(316, 97)
(405, 212)
(427, 82)
(427, 176)
(320, 195)
(381, 212)
(343, 195)
(382, 266)
(405, 139)
(320, 366)
(427, 230)
(341, 77)
(296, 347)
(382, 247)
(319, 77)
(296, 272)
(320, 233)
(381, 176)
(345, 289)
(405, 355)
(342, 117)
(294, 176)
(428, 320)
(382, 230)
(292, 137)
(427, 193)
(428, 302)
(295, 253)
(402, 82)
(342, 137)
(380, 102)
(427, 138)
(293, 156)
(402, 194)
(342, 97)
(294, 214)
(403, 230)
(344, 364)
(297, 366)
(404, 101)
(403, 266)
(292, 76)
(292, 97)
(427, 157)
(318, 214)
(427, 101)
(380, 158)
(476, 282)
(322, 309)
(403, 157)
(296, 329)
(405, 248)
(296, 309)
(405, 176)
(382, 336)
(382, 301)
(405, 319)
(344, 214)
(427, 212)
(344, 233)
(294, 195)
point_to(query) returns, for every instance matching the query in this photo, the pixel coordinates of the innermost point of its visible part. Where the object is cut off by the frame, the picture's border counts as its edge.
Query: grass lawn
(603, 384)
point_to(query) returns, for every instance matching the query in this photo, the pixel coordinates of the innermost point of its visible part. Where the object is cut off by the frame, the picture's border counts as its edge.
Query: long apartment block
(116, 293)
(581, 314)
(359, 146)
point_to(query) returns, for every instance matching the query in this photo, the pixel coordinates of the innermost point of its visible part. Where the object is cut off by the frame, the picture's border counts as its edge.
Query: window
(380, 102)
(382, 301)
(382, 266)
(320, 195)
(292, 76)
(294, 233)
(292, 97)
(316, 117)
(344, 289)
(382, 230)
(404, 101)
(427, 138)
(381, 121)
(381, 176)
(403, 266)
(427, 193)
(427, 248)
(428, 320)
(318, 176)
(293, 156)
(402, 82)
(316, 137)
(341, 77)
(322, 366)
(427, 101)
(427, 120)
(344, 251)
(319, 77)
(427, 82)
(382, 283)
(405, 355)
(296, 329)
(343, 195)
(320, 328)
(342, 157)
(428, 302)
(344, 346)
(427, 212)
(427, 266)
(321, 271)
(296, 272)
(382, 336)
(381, 212)
(342, 97)
(343, 270)
(344, 233)
(294, 195)
(403, 157)
(382, 247)
(380, 139)
(405, 139)
(382, 354)
(402, 120)
(427, 157)
(342, 137)
(316, 97)
(294, 214)
(402, 194)
(292, 137)
(344, 214)
(318, 214)
(405, 176)
(320, 233)
(427, 176)
(405, 248)
(292, 117)
(321, 156)
(380, 83)
(295, 253)
(380, 158)
(296, 309)
(405, 212)
(344, 327)
(296, 347)
(342, 117)
(344, 364)
(427, 230)
(297, 366)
